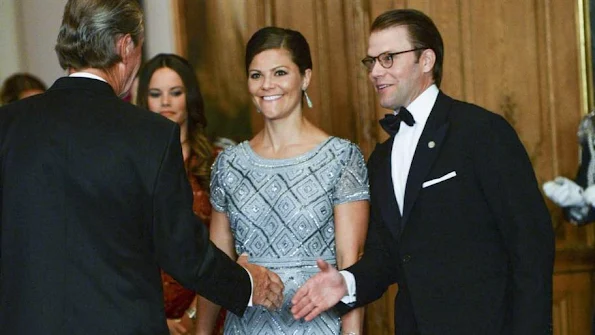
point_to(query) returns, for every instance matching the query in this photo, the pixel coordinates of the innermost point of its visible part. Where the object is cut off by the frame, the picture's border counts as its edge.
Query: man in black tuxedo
(457, 219)
(94, 199)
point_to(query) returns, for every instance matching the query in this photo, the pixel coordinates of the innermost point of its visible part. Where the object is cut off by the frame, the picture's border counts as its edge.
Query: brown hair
(422, 34)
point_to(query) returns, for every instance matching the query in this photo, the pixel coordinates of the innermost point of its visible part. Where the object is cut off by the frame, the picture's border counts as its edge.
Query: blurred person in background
(20, 86)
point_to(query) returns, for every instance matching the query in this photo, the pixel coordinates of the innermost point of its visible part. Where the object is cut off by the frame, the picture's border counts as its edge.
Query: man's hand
(321, 292)
(268, 287)
(564, 192)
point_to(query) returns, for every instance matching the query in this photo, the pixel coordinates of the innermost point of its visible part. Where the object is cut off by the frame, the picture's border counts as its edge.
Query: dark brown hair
(18, 83)
(422, 34)
(280, 38)
(197, 122)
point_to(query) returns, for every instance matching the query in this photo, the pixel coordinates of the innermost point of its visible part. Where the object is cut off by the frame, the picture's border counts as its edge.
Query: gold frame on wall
(586, 61)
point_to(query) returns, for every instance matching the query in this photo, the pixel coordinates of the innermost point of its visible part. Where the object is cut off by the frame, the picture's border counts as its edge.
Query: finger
(314, 313)
(299, 296)
(268, 304)
(305, 310)
(322, 265)
(276, 288)
(275, 279)
(243, 259)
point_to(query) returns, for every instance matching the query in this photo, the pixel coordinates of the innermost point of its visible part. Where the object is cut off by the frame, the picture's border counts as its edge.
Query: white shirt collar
(87, 75)
(421, 107)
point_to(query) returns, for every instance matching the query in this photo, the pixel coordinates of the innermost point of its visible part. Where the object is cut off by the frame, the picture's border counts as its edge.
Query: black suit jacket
(472, 254)
(94, 200)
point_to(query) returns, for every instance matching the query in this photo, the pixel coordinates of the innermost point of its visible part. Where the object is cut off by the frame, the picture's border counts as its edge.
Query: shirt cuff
(350, 282)
(250, 304)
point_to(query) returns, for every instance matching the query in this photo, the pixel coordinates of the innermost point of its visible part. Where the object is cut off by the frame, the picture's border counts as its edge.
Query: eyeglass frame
(390, 54)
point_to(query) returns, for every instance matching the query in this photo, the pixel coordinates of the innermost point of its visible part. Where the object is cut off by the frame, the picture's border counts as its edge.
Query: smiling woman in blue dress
(289, 196)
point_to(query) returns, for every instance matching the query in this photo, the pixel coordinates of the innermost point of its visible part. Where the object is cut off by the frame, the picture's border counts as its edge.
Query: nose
(165, 100)
(267, 82)
(377, 70)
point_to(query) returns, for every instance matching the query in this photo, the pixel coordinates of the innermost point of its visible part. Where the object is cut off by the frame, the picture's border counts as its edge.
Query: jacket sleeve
(182, 245)
(509, 184)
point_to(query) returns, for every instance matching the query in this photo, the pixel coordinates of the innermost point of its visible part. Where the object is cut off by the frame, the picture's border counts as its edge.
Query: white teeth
(382, 86)
(271, 97)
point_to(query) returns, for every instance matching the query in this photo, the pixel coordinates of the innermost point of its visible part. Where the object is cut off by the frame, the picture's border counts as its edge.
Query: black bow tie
(392, 122)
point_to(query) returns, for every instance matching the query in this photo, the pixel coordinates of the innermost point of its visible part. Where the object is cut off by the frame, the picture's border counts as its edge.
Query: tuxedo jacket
(473, 251)
(94, 200)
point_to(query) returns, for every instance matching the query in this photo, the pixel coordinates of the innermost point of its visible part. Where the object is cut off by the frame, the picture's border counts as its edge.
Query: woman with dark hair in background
(289, 196)
(167, 85)
(20, 86)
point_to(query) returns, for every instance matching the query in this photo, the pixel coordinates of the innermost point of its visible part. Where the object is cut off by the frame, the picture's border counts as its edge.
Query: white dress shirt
(401, 156)
(86, 75)
(406, 140)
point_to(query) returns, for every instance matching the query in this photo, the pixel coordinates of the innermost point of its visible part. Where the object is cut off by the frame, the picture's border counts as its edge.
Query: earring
(308, 101)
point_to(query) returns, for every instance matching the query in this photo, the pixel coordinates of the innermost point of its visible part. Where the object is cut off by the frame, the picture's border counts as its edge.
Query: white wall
(159, 27)
(28, 31)
(9, 39)
(39, 22)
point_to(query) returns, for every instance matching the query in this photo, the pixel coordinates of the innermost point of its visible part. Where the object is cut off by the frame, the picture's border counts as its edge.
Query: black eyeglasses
(385, 59)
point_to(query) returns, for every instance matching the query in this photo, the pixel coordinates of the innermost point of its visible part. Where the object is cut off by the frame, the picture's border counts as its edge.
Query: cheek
(253, 87)
(153, 104)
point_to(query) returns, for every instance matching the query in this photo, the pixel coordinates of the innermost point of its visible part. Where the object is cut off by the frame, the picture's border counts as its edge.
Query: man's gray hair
(91, 28)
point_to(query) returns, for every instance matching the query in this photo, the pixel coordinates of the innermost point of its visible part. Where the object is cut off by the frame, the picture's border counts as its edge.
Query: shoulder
(228, 154)
(485, 126)
(462, 110)
(342, 146)
(347, 152)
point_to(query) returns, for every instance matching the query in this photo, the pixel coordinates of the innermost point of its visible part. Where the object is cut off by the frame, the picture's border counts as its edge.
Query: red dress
(178, 298)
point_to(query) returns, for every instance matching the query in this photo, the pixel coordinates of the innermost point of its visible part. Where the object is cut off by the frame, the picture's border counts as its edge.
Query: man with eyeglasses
(457, 219)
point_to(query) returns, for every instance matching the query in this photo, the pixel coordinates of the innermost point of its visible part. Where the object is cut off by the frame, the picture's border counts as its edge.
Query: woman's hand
(181, 326)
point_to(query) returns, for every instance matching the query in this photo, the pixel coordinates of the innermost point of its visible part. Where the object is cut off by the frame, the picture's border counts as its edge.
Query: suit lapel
(389, 208)
(426, 152)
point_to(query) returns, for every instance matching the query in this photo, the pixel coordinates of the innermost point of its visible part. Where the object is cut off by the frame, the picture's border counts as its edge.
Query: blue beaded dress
(281, 214)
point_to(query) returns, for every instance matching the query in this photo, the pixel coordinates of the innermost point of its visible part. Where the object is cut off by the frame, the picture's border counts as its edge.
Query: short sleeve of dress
(352, 184)
(218, 194)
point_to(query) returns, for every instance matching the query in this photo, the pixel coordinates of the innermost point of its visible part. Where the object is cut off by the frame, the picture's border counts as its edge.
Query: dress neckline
(256, 158)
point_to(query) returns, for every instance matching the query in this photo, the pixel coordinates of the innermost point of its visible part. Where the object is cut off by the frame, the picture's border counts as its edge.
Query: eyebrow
(273, 69)
(158, 89)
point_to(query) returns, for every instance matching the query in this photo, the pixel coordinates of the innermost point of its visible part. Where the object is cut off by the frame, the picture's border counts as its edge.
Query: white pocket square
(439, 180)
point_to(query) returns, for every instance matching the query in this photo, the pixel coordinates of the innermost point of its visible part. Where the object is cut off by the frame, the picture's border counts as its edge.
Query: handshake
(566, 193)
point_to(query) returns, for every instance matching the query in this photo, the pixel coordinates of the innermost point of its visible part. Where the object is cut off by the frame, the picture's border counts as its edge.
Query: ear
(125, 47)
(306, 79)
(427, 60)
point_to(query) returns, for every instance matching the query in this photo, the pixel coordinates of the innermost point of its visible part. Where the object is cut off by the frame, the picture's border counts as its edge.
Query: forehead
(165, 76)
(392, 39)
(271, 58)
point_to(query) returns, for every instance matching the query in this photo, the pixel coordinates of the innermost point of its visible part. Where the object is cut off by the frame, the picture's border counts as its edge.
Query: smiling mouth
(381, 87)
(271, 97)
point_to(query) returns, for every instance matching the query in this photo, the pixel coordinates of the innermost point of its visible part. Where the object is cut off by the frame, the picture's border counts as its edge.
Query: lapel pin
(431, 144)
